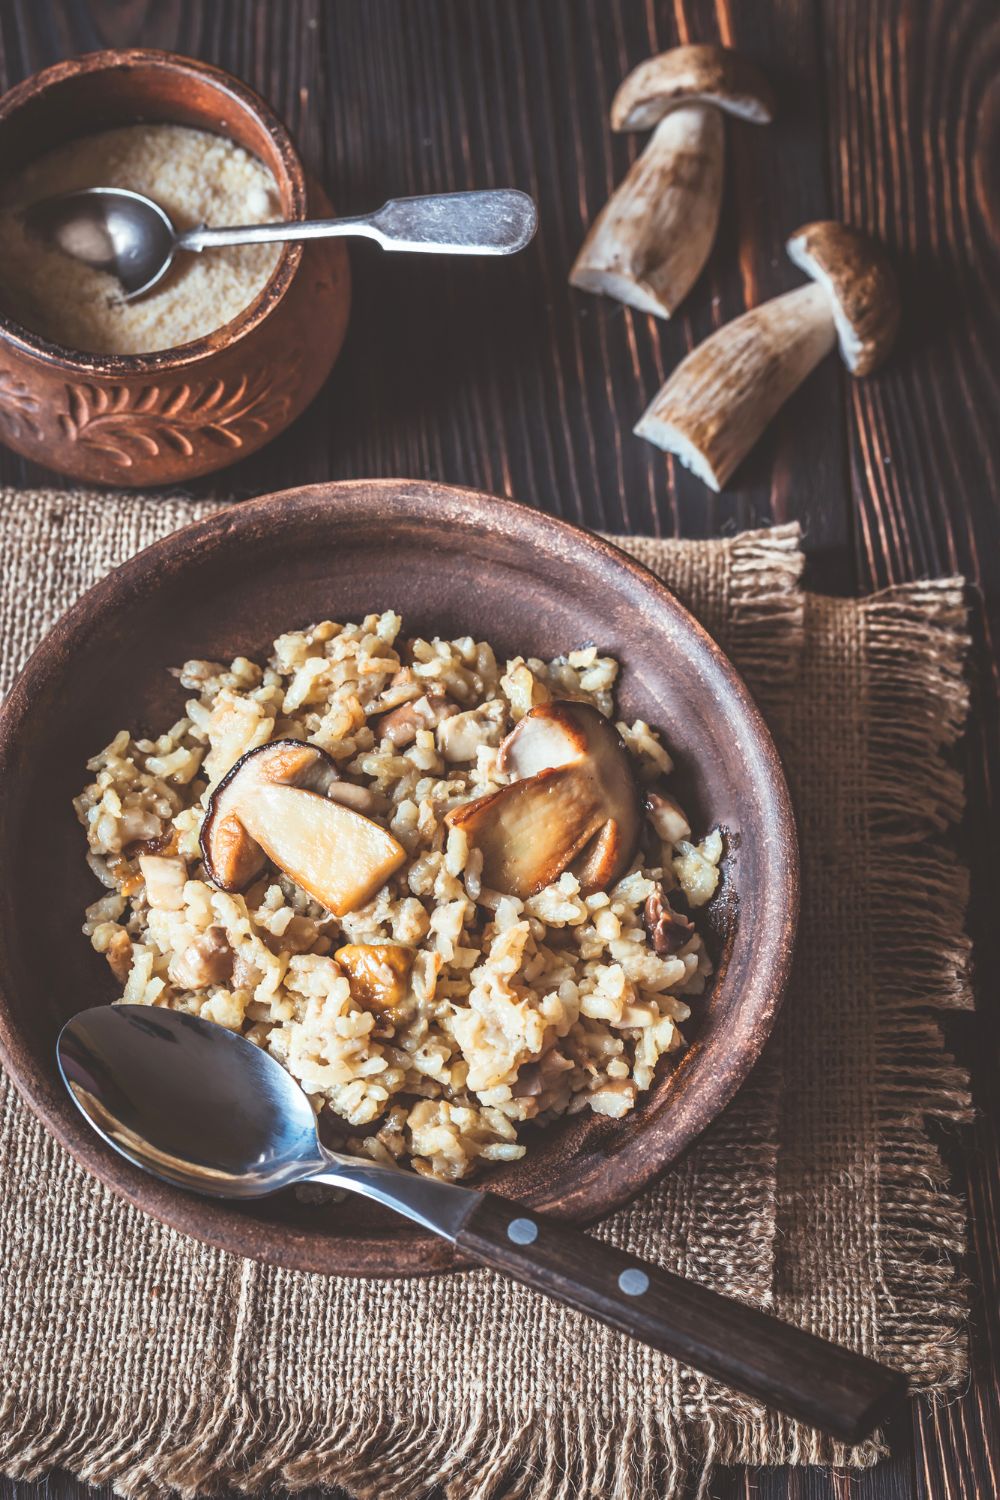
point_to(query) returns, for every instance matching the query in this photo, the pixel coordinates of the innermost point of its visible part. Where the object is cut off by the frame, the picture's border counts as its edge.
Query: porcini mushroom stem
(720, 398)
(654, 234)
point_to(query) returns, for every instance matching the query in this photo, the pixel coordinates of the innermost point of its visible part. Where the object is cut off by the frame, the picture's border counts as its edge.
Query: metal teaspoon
(133, 239)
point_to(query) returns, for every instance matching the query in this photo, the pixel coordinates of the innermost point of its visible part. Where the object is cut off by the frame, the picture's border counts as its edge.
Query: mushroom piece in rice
(430, 1023)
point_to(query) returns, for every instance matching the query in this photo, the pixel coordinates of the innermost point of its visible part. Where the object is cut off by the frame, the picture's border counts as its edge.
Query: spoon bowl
(188, 1100)
(124, 234)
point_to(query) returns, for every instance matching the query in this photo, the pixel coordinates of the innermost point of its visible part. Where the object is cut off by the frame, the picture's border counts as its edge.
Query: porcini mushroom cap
(699, 74)
(855, 272)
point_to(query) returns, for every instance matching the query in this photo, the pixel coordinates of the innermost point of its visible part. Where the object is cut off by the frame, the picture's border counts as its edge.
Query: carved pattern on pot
(18, 408)
(128, 424)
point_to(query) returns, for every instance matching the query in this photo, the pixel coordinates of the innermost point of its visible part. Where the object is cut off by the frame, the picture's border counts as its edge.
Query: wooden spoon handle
(821, 1384)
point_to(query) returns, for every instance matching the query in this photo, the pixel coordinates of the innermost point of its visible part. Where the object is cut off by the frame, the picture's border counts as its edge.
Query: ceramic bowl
(453, 561)
(153, 419)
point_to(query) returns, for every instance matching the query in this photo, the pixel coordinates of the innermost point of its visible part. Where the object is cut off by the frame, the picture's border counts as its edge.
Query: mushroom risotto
(450, 895)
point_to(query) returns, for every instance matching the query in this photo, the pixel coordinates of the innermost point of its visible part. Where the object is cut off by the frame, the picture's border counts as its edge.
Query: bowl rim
(222, 1223)
(178, 356)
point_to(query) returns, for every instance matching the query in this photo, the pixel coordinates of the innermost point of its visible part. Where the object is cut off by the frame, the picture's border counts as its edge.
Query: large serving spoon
(205, 1109)
(133, 239)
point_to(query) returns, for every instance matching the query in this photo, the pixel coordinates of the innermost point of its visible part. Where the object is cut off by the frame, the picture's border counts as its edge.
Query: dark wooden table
(497, 376)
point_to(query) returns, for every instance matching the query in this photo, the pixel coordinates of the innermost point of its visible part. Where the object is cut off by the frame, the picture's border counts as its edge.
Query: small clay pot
(151, 419)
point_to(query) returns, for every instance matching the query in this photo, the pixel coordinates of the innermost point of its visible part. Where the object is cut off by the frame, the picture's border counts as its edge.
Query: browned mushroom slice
(232, 858)
(379, 973)
(400, 727)
(530, 831)
(604, 859)
(574, 795)
(269, 807)
(667, 930)
(553, 734)
(294, 763)
(577, 734)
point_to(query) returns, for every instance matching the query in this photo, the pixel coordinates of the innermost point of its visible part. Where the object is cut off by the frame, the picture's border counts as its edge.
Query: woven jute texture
(131, 1354)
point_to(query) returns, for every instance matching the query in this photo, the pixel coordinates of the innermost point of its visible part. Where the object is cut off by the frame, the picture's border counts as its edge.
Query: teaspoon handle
(495, 221)
(818, 1383)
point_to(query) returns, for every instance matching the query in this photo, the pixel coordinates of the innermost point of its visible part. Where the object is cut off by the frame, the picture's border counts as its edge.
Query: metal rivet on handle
(633, 1282)
(522, 1231)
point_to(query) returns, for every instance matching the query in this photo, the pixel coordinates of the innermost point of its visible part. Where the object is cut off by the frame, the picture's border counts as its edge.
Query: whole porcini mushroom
(654, 234)
(720, 398)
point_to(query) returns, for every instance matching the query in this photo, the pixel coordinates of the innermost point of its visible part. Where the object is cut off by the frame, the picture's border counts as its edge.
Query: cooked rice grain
(514, 1010)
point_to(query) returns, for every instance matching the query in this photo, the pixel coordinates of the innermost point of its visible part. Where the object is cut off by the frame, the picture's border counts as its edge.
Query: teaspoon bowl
(191, 1102)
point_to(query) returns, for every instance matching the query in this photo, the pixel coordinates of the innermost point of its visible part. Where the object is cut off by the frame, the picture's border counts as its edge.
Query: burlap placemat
(131, 1354)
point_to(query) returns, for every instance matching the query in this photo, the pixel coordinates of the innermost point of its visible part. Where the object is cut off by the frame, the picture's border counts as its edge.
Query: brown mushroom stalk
(720, 399)
(650, 241)
(654, 234)
(722, 396)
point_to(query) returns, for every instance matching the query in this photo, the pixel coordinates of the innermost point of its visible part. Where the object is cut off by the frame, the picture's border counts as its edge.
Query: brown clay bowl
(151, 419)
(453, 561)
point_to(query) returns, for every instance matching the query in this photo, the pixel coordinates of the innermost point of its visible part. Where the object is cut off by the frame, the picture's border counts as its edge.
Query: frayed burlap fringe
(553, 1454)
(763, 624)
(135, 1357)
(916, 641)
(903, 653)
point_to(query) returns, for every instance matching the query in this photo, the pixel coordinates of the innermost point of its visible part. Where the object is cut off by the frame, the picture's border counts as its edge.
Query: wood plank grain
(497, 374)
(914, 121)
(502, 378)
(776, 180)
